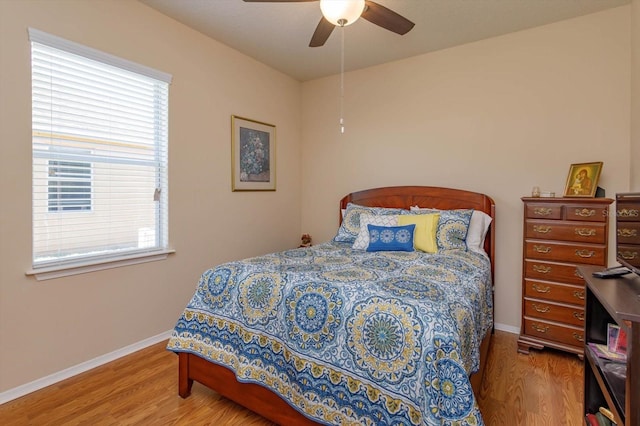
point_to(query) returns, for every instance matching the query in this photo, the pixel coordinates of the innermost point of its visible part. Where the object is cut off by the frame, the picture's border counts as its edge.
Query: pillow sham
(424, 238)
(362, 240)
(452, 229)
(348, 231)
(478, 227)
(391, 238)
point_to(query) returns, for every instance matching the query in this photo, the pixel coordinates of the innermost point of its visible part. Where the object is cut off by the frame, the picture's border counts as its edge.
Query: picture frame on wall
(583, 179)
(253, 155)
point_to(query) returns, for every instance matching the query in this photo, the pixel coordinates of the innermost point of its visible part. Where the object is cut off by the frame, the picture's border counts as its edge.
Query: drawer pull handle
(579, 294)
(542, 249)
(628, 254)
(585, 212)
(541, 229)
(578, 274)
(542, 309)
(541, 289)
(628, 213)
(542, 211)
(585, 253)
(579, 316)
(542, 269)
(586, 232)
(578, 337)
(540, 328)
(627, 233)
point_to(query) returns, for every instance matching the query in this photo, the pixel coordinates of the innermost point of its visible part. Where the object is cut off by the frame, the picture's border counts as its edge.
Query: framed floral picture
(583, 179)
(253, 155)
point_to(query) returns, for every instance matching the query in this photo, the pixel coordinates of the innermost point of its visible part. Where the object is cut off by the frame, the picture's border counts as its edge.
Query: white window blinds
(100, 141)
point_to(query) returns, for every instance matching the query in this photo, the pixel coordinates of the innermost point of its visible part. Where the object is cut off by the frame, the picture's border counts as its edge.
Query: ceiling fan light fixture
(342, 12)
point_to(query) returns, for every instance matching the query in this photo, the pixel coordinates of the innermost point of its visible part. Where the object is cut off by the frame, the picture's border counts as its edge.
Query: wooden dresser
(559, 234)
(628, 228)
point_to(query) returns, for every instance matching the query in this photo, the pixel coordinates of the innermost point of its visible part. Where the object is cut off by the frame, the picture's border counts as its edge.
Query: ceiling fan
(345, 12)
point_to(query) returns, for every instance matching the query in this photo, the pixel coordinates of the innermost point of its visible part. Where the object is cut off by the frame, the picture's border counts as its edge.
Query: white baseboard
(507, 328)
(51, 379)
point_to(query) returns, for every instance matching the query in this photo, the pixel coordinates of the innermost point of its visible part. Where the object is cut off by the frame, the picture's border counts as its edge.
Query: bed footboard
(259, 399)
(250, 395)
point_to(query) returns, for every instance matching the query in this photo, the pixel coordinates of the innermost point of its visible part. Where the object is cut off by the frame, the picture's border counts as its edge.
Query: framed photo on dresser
(583, 179)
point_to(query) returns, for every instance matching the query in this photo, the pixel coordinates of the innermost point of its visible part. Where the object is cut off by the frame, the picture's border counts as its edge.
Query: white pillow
(362, 240)
(478, 227)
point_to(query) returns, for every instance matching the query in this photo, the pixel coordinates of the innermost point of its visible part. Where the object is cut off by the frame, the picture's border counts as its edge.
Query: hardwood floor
(542, 388)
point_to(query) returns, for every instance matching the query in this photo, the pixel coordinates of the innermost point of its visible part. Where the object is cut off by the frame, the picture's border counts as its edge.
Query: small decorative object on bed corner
(583, 179)
(253, 155)
(306, 241)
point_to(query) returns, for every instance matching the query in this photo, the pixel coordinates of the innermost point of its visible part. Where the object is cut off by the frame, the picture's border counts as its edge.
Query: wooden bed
(266, 403)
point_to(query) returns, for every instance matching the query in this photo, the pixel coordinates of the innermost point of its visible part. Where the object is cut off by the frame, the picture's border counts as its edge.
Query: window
(99, 143)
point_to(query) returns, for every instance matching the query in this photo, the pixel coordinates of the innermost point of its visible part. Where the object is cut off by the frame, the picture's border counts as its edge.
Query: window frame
(86, 262)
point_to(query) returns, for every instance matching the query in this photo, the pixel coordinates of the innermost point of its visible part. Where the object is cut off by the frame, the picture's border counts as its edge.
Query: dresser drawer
(554, 292)
(554, 230)
(587, 213)
(543, 211)
(552, 271)
(575, 253)
(627, 211)
(630, 253)
(569, 335)
(553, 312)
(628, 232)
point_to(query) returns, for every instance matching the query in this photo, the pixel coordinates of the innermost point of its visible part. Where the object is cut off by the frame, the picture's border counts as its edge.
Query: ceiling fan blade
(386, 18)
(322, 33)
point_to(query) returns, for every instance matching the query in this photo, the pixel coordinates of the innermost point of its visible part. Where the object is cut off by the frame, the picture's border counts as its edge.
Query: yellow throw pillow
(424, 238)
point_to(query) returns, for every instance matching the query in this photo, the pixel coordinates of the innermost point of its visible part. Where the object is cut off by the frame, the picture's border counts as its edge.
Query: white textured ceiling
(278, 34)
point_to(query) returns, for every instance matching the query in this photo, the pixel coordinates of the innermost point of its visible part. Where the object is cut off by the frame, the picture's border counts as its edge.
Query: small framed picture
(253, 155)
(621, 342)
(612, 337)
(583, 179)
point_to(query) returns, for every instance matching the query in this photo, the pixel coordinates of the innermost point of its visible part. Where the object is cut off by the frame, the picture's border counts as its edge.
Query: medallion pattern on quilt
(214, 285)
(448, 387)
(259, 297)
(401, 286)
(386, 339)
(313, 315)
(379, 263)
(356, 338)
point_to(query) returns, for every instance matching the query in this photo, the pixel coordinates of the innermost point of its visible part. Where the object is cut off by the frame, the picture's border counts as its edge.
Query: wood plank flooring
(542, 388)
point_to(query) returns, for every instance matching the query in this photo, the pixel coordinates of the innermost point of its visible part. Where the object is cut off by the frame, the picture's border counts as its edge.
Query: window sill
(59, 271)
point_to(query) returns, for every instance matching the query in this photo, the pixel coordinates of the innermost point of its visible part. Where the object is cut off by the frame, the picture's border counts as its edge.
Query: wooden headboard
(428, 196)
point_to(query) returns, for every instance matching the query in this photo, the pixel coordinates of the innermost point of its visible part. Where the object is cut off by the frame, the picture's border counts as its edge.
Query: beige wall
(635, 95)
(497, 116)
(48, 326)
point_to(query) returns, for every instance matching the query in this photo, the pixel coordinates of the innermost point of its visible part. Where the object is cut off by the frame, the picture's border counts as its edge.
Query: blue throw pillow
(391, 238)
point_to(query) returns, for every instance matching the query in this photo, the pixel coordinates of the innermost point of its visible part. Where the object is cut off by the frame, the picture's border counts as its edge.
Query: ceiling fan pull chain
(342, 83)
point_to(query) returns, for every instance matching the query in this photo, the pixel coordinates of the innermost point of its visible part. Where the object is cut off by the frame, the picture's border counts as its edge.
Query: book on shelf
(591, 420)
(603, 420)
(597, 419)
(608, 414)
(602, 351)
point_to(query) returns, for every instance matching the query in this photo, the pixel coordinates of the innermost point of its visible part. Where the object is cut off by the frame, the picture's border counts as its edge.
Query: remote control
(612, 273)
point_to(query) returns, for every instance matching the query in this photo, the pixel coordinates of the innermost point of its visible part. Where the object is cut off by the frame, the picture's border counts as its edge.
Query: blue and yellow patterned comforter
(348, 336)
